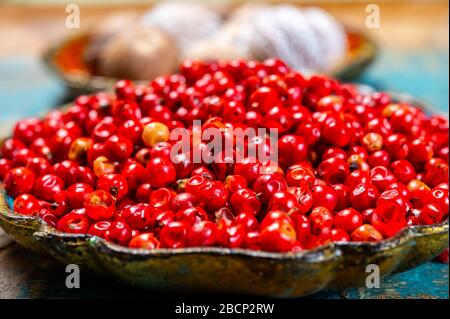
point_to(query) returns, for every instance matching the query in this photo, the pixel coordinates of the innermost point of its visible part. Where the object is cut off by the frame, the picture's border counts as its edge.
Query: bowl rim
(318, 254)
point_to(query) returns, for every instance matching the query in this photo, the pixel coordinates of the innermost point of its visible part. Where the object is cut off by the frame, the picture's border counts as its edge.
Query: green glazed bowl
(331, 267)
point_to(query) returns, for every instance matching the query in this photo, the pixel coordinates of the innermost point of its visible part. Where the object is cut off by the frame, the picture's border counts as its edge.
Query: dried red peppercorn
(99, 205)
(366, 233)
(76, 194)
(114, 184)
(324, 196)
(203, 233)
(19, 180)
(389, 218)
(348, 220)
(161, 172)
(99, 228)
(364, 196)
(26, 204)
(47, 186)
(74, 222)
(174, 235)
(119, 233)
(144, 241)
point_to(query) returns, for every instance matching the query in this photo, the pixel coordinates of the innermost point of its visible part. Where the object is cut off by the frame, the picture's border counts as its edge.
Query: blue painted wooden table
(27, 88)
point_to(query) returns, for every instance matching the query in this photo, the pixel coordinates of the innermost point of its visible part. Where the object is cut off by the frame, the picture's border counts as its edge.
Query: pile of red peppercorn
(352, 167)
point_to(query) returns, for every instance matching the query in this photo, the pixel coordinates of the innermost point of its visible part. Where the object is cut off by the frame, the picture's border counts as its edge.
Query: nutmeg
(139, 53)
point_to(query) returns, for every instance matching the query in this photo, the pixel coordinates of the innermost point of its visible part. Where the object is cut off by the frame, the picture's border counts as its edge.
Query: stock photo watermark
(373, 277)
(224, 145)
(73, 279)
(373, 18)
(72, 20)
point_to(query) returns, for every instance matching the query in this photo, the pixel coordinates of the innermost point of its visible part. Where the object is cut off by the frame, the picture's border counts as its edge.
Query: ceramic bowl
(331, 267)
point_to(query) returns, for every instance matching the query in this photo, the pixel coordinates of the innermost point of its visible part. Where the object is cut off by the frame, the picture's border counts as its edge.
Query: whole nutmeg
(139, 53)
(104, 30)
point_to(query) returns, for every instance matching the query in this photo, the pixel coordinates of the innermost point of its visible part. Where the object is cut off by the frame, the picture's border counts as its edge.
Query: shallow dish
(66, 59)
(330, 267)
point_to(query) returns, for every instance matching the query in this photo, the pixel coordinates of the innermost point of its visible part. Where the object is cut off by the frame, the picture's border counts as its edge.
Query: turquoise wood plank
(422, 74)
(27, 88)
